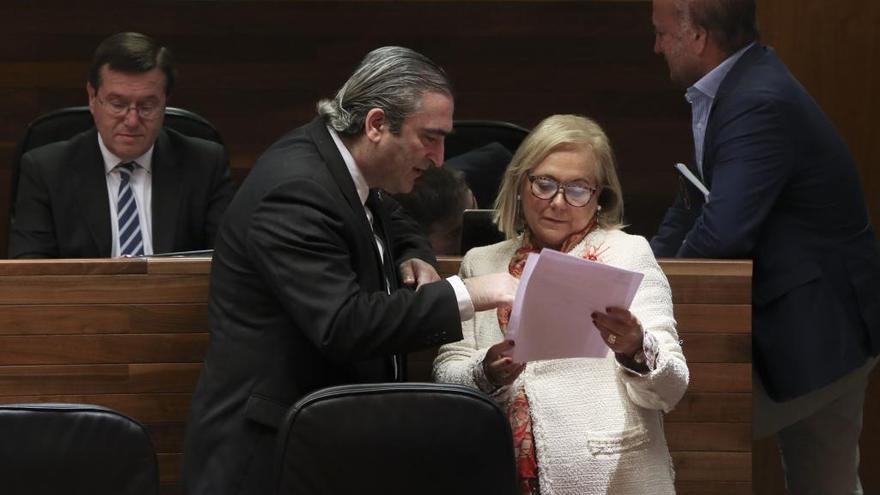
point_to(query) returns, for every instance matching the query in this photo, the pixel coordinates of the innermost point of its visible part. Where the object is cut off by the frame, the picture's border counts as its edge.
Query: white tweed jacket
(598, 426)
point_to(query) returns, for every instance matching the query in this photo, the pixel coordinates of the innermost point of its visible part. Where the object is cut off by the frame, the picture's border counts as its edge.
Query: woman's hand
(620, 330)
(500, 369)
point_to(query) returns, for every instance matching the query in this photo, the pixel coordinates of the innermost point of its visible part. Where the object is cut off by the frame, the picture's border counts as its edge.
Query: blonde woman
(581, 426)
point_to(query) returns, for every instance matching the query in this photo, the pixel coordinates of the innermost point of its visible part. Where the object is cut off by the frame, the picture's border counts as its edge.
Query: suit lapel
(336, 165)
(730, 82)
(90, 183)
(166, 195)
(395, 366)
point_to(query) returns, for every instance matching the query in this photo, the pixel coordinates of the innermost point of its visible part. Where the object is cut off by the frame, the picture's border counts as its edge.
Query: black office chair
(468, 135)
(65, 123)
(481, 150)
(396, 439)
(47, 449)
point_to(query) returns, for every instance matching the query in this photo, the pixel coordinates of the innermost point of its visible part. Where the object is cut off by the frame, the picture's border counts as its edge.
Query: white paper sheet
(556, 296)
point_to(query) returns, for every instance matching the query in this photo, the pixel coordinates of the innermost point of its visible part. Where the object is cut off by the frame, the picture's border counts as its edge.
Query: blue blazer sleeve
(751, 156)
(677, 222)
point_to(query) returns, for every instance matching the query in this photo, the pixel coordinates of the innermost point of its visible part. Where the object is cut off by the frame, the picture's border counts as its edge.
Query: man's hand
(491, 291)
(417, 272)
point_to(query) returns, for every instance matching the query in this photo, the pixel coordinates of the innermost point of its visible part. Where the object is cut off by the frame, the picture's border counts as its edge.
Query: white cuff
(465, 305)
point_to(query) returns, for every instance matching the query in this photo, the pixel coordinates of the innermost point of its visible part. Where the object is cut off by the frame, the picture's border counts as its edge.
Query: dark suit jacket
(297, 304)
(785, 192)
(62, 209)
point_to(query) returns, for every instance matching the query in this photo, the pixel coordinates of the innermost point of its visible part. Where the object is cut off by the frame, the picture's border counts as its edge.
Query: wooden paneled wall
(833, 48)
(257, 68)
(132, 334)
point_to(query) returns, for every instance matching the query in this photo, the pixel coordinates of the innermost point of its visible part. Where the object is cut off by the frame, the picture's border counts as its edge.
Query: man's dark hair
(133, 53)
(438, 195)
(732, 23)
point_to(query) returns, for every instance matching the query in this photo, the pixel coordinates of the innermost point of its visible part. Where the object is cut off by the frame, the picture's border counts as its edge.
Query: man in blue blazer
(785, 192)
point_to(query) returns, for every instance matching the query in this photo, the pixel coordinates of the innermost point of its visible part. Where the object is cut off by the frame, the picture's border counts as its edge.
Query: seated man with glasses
(127, 187)
(585, 426)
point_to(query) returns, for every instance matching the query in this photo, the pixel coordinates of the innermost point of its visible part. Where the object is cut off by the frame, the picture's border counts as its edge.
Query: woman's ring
(612, 338)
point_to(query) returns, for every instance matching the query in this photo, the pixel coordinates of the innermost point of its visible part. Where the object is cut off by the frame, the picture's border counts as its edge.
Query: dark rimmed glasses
(577, 194)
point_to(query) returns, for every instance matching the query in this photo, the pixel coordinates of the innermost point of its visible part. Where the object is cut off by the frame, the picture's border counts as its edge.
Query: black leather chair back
(396, 439)
(472, 134)
(481, 150)
(48, 449)
(65, 123)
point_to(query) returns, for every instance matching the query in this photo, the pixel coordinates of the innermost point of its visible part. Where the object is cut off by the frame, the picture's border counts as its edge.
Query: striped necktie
(131, 242)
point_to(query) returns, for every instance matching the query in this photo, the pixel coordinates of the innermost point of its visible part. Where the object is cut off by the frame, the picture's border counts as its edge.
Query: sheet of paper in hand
(556, 295)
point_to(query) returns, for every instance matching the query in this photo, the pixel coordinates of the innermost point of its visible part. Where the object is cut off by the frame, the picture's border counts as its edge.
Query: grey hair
(392, 78)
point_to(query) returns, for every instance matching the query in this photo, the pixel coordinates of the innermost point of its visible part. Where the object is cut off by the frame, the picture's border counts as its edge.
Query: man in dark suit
(127, 186)
(785, 192)
(304, 286)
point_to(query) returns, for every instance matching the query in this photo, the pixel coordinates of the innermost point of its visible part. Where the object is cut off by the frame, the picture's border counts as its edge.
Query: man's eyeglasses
(119, 108)
(576, 194)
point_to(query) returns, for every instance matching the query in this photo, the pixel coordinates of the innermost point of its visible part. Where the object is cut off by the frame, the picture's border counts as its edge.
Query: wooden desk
(131, 335)
(126, 334)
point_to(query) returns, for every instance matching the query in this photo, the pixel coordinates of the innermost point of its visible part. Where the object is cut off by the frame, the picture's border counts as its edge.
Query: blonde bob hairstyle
(553, 134)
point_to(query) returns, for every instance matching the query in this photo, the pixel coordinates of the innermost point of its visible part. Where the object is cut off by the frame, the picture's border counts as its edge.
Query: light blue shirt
(701, 95)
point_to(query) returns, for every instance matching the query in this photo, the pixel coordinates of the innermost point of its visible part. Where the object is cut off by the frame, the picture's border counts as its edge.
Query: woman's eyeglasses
(576, 194)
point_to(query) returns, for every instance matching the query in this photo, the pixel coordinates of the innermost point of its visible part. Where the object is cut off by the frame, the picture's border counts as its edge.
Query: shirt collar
(360, 183)
(708, 85)
(145, 161)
